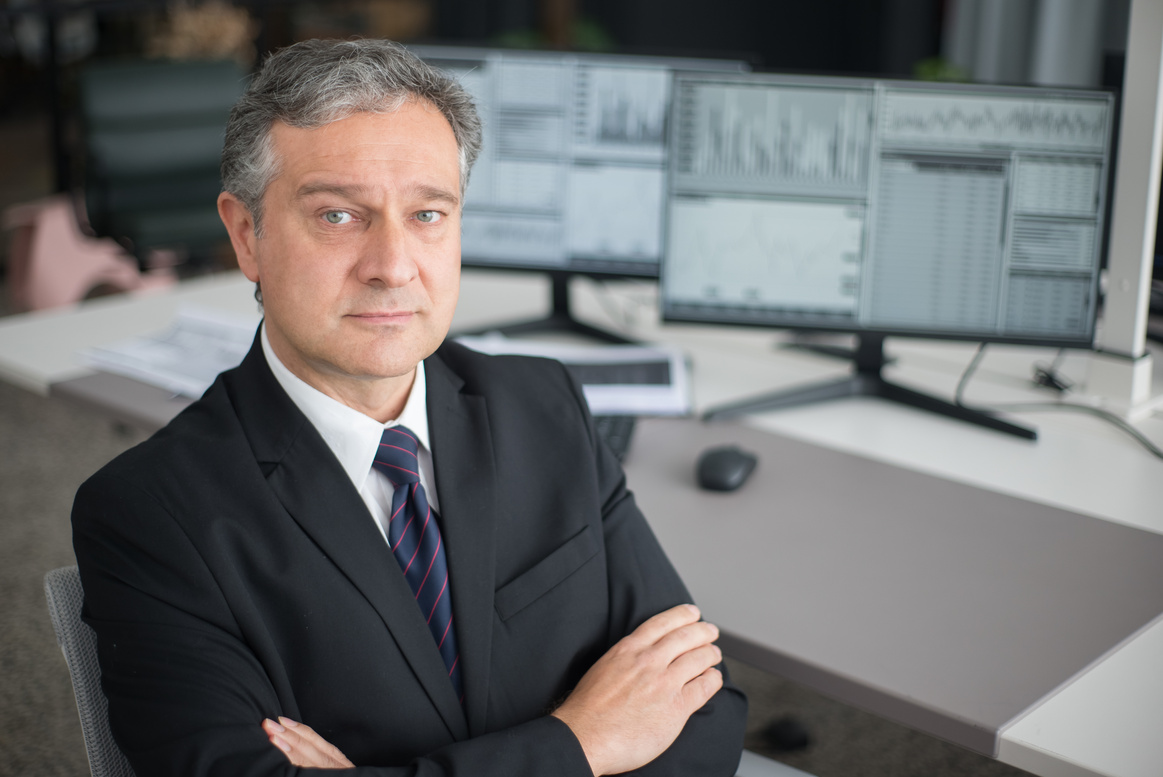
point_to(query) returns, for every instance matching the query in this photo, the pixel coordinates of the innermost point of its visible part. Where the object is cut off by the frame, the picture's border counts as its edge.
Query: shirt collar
(352, 436)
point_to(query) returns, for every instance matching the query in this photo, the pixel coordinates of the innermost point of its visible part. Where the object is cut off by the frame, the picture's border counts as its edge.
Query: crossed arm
(626, 710)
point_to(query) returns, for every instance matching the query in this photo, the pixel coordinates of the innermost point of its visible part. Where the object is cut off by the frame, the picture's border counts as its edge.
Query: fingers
(276, 733)
(656, 627)
(694, 662)
(303, 746)
(674, 638)
(687, 638)
(634, 701)
(699, 691)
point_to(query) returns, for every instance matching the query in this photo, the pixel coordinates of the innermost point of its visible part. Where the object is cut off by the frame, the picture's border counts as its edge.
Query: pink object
(52, 263)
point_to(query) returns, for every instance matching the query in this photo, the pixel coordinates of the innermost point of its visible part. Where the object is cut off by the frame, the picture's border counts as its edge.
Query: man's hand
(633, 703)
(303, 746)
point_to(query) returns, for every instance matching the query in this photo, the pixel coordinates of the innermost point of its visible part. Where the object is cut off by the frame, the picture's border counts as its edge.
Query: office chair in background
(152, 142)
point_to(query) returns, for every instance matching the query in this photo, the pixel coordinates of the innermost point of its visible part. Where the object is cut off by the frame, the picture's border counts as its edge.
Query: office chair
(153, 135)
(62, 588)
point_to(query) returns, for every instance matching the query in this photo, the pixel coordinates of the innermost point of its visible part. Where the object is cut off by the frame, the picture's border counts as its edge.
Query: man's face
(360, 256)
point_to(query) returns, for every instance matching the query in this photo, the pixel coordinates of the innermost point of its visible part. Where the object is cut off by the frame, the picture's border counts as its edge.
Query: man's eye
(428, 216)
(337, 217)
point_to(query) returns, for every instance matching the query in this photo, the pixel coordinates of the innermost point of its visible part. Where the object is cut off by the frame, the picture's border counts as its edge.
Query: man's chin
(392, 363)
(384, 351)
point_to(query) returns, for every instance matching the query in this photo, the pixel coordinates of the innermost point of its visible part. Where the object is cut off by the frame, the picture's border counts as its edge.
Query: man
(251, 570)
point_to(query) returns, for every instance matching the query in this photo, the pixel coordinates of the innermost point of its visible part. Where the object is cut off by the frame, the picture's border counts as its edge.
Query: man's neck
(381, 398)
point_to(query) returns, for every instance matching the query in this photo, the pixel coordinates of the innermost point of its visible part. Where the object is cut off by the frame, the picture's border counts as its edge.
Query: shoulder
(487, 373)
(204, 443)
(535, 395)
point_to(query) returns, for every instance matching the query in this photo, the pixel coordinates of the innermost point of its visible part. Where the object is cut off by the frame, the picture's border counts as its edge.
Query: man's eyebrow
(348, 191)
(437, 193)
(357, 191)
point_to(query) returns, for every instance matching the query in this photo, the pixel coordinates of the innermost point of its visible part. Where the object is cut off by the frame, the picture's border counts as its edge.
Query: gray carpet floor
(49, 446)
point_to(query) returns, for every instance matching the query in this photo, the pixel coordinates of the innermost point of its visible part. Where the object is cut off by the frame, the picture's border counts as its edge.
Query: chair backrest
(62, 588)
(153, 135)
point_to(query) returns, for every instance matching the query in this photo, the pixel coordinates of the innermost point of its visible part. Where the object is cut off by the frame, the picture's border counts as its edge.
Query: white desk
(1106, 722)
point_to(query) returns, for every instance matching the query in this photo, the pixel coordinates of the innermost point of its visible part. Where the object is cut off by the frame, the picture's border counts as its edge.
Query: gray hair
(317, 82)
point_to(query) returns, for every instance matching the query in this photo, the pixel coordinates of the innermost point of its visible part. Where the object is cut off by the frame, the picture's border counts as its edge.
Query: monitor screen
(899, 208)
(572, 174)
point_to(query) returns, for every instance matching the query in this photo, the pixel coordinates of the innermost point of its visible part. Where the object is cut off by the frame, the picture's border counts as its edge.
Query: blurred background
(50, 103)
(59, 68)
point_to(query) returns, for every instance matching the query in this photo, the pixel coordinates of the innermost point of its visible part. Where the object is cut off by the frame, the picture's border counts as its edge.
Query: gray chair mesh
(62, 588)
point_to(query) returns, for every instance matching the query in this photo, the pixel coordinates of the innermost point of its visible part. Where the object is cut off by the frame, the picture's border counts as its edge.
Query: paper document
(184, 359)
(616, 379)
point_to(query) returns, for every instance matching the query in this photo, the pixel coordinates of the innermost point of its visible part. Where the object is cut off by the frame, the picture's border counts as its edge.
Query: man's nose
(386, 259)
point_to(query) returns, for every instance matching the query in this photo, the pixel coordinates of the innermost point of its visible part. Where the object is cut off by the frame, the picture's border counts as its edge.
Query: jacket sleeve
(187, 692)
(642, 583)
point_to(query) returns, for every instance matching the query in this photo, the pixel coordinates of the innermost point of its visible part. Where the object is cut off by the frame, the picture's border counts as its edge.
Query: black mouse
(724, 467)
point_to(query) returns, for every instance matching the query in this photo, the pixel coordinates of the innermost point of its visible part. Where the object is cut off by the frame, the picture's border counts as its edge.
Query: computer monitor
(887, 208)
(572, 176)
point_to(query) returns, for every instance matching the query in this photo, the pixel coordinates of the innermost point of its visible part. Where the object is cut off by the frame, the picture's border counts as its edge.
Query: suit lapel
(465, 481)
(314, 489)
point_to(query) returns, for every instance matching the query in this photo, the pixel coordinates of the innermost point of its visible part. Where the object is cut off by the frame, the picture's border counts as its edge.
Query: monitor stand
(559, 320)
(806, 340)
(866, 381)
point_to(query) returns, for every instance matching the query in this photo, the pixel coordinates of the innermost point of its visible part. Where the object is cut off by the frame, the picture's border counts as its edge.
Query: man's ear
(240, 226)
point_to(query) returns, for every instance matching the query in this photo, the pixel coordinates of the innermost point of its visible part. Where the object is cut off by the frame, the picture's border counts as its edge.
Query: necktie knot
(396, 456)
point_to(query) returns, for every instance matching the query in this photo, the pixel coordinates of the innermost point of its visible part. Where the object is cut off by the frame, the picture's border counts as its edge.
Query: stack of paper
(186, 358)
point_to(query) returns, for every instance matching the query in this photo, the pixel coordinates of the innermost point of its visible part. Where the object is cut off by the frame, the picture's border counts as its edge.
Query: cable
(619, 313)
(1048, 375)
(1098, 412)
(969, 370)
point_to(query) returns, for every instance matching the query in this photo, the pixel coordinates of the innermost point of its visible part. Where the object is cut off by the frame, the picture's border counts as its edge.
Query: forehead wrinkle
(300, 149)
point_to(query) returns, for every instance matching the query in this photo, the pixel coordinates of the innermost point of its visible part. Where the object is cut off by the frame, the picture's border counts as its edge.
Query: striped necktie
(416, 543)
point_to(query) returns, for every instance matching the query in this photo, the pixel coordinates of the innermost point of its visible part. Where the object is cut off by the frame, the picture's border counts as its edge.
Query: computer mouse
(724, 467)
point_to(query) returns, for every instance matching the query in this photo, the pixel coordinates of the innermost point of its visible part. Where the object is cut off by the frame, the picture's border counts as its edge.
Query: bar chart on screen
(797, 139)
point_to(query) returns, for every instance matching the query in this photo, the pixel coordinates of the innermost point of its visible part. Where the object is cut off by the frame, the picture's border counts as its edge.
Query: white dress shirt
(354, 437)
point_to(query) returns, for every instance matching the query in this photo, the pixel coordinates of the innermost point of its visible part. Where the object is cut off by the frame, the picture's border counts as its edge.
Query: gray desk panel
(147, 407)
(947, 607)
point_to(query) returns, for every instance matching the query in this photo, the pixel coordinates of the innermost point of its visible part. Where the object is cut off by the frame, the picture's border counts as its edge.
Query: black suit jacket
(232, 572)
